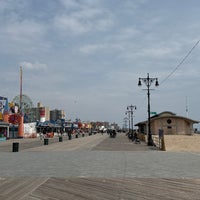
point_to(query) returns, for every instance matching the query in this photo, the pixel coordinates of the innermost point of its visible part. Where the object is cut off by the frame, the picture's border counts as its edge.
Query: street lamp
(130, 110)
(125, 123)
(148, 81)
(129, 126)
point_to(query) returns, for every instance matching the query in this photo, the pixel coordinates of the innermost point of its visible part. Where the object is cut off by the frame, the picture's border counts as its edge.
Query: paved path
(28, 143)
(98, 167)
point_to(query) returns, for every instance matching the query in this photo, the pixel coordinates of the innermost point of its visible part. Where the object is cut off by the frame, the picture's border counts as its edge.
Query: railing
(159, 142)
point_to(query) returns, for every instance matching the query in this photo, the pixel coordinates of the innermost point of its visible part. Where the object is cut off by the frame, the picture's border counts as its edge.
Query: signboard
(153, 113)
(3, 106)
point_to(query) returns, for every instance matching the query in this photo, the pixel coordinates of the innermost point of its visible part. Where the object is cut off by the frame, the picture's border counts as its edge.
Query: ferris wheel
(26, 102)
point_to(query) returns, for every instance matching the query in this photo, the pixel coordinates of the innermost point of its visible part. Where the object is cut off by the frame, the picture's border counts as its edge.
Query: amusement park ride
(15, 116)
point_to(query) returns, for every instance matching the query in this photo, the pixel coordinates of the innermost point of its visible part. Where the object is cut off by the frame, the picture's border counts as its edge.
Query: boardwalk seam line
(28, 193)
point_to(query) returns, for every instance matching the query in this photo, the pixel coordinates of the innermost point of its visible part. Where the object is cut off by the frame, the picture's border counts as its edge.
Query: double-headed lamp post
(130, 110)
(129, 126)
(125, 122)
(148, 81)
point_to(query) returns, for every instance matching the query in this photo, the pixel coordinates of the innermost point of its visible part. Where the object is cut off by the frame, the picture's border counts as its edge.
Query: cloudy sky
(85, 56)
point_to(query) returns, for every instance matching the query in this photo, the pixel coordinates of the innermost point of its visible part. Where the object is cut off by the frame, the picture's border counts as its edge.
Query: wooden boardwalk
(99, 189)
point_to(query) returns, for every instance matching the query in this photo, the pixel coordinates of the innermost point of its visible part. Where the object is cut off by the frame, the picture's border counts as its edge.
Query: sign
(153, 113)
(3, 104)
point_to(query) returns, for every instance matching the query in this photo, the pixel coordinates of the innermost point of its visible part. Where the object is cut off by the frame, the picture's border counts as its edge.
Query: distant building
(170, 123)
(44, 112)
(98, 124)
(57, 114)
(40, 113)
(114, 126)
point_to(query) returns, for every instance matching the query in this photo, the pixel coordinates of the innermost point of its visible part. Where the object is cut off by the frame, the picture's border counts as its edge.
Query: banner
(3, 106)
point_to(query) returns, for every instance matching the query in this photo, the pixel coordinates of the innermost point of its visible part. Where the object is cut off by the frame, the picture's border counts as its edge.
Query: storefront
(4, 131)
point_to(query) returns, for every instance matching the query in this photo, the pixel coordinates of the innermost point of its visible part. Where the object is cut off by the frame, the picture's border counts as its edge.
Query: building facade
(170, 123)
(39, 113)
(57, 114)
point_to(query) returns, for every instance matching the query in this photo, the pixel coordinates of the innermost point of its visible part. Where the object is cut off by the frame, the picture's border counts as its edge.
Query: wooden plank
(16, 188)
(114, 188)
(99, 188)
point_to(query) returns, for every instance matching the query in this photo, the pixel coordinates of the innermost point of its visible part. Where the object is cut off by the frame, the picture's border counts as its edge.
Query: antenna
(186, 106)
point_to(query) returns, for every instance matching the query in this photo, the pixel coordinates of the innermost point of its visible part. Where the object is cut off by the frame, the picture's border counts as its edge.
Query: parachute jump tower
(16, 118)
(21, 118)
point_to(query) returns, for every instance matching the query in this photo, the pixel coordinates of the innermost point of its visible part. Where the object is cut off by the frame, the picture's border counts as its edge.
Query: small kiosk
(4, 131)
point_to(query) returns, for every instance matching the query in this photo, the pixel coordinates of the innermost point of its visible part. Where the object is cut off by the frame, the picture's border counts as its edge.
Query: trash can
(46, 141)
(15, 146)
(60, 139)
(77, 136)
(69, 136)
(83, 135)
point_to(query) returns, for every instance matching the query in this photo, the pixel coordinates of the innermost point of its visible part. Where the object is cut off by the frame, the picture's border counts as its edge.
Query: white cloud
(126, 34)
(95, 48)
(70, 24)
(85, 18)
(156, 52)
(10, 5)
(81, 24)
(73, 4)
(69, 3)
(89, 49)
(33, 66)
(23, 30)
(23, 36)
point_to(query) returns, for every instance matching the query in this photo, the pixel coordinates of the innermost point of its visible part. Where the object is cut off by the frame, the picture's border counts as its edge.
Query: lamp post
(148, 81)
(130, 110)
(129, 126)
(125, 123)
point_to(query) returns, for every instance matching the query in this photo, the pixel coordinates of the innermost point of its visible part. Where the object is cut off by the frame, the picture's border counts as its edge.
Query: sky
(86, 56)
